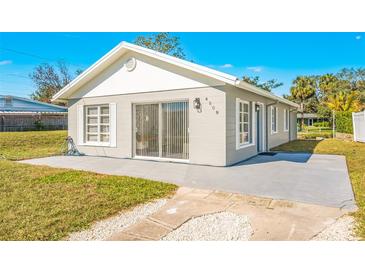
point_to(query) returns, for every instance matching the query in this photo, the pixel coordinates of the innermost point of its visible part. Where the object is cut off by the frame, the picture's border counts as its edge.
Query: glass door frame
(134, 145)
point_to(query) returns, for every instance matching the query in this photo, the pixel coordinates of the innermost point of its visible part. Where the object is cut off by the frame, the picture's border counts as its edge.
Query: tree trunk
(302, 118)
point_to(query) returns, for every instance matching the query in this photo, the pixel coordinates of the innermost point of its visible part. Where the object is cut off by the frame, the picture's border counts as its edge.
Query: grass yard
(355, 156)
(31, 144)
(310, 132)
(43, 203)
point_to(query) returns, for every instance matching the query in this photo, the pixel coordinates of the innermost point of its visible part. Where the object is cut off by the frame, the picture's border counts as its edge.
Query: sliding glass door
(161, 130)
(147, 130)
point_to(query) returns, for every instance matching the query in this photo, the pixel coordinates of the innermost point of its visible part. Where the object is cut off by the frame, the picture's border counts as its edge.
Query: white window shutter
(80, 124)
(113, 124)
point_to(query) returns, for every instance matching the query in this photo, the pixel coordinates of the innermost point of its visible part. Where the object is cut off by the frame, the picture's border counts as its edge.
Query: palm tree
(303, 88)
(344, 101)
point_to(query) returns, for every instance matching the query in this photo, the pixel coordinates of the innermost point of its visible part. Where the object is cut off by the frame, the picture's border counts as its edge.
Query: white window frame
(286, 120)
(272, 108)
(98, 124)
(250, 122)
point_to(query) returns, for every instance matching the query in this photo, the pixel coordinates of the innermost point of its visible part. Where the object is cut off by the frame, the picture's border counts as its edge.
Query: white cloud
(358, 37)
(5, 62)
(255, 69)
(227, 66)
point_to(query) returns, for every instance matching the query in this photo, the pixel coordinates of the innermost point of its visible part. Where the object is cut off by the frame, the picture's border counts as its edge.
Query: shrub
(314, 135)
(39, 125)
(344, 122)
(322, 124)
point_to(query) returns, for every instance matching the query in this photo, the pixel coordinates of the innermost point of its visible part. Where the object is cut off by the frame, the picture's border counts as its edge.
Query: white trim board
(124, 47)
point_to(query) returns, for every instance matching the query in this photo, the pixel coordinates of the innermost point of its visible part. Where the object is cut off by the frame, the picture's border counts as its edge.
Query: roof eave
(267, 94)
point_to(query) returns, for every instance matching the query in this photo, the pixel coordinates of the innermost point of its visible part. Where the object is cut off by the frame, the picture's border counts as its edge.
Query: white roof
(123, 47)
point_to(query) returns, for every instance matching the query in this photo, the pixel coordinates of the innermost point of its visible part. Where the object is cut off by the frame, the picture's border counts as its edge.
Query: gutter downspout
(267, 123)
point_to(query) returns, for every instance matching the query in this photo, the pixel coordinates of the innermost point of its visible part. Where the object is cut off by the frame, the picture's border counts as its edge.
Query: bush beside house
(344, 122)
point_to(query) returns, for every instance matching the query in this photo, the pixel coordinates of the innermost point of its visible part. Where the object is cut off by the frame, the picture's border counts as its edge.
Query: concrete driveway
(309, 178)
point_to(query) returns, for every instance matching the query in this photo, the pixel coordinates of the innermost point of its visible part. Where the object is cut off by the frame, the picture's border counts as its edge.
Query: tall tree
(266, 85)
(49, 79)
(163, 42)
(303, 88)
(344, 101)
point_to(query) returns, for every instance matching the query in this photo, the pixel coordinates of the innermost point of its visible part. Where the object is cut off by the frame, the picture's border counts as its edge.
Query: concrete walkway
(270, 219)
(309, 178)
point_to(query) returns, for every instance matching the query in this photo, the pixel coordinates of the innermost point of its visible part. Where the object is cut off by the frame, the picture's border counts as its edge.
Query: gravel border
(104, 229)
(341, 230)
(222, 226)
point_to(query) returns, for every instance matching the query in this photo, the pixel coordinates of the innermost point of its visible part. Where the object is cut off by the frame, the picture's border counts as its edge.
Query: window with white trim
(97, 124)
(274, 119)
(286, 120)
(243, 123)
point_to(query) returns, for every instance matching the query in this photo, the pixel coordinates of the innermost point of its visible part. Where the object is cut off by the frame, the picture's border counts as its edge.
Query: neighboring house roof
(15, 104)
(124, 47)
(308, 115)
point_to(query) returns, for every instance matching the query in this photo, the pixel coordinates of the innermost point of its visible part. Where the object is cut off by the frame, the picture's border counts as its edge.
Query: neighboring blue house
(19, 114)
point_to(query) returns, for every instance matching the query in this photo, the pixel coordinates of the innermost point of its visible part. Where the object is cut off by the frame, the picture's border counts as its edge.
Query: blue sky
(282, 56)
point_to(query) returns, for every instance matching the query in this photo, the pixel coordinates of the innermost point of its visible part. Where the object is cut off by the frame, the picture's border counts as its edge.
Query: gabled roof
(30, 105)
(123, 47)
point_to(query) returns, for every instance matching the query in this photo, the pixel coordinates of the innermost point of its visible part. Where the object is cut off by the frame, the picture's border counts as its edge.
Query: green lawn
(310, 132)
(355, 156)
(31, 144)
(43, 203)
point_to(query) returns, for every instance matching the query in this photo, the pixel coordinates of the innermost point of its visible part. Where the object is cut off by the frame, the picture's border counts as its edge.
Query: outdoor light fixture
(197, 104)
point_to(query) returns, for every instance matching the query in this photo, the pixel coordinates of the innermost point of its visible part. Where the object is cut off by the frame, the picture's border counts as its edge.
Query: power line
(27, 54)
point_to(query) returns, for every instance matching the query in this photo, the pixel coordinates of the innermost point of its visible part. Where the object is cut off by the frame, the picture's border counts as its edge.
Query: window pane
(104, 128)
(104, 110)
(104, 119)
(92, 120)
(245, 128)
(245, 137)
(92, 137)
(104, 138)
(92, 111)
(245, 107)
(241, 127)
(245, 117)
(240, 107)
(92, 129)
(241, 138)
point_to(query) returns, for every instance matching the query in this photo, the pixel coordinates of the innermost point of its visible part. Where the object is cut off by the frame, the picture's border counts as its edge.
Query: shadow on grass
(308, 146)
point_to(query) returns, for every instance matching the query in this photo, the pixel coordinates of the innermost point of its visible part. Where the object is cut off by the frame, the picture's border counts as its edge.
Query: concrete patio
(308, 178)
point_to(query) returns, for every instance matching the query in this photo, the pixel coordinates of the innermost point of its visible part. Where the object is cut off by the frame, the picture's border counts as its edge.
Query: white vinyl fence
(358, 121)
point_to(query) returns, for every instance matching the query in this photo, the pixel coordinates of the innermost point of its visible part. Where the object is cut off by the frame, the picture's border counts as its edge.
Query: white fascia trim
(121, 48)
(264, 93)
(224, 77)
(83, 75)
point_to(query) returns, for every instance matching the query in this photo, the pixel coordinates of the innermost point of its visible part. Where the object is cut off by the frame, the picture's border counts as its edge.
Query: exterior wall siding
(206, 128)
(235, 155)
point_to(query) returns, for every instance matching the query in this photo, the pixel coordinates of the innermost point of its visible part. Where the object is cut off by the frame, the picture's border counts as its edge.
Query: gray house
(138, 103)
(19, 114)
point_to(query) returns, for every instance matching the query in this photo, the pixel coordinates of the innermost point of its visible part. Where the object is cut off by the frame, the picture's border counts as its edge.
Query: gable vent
(131, 64)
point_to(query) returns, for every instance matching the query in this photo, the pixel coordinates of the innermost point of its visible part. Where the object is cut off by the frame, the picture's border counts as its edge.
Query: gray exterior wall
(235, 154)
(212, 135)
(207, 140)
